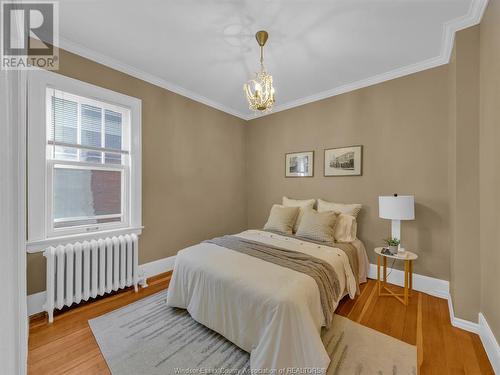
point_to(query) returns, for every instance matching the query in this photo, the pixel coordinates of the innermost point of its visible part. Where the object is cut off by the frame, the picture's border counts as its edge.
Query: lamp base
(396, 233)
(396, 229)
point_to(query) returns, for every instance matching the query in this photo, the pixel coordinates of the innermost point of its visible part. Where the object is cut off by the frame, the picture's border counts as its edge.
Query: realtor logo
(29, 35)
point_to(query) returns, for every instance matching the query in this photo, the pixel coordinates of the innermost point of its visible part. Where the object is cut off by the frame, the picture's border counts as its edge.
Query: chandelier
(260, 91)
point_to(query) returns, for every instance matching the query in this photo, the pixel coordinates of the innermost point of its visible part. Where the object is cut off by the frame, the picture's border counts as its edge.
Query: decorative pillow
(317, 226)
(340, 208)
(302, 204)
(282, 219)
(346, 228)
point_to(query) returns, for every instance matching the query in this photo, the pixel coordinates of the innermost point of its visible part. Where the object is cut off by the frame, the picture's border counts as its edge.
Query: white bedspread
(270, 311)
(363, 262)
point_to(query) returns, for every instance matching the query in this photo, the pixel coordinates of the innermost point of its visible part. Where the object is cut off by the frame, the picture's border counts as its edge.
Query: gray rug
(147, 337)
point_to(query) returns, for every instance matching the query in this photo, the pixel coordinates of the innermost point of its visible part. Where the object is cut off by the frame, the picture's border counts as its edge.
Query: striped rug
(148, 337)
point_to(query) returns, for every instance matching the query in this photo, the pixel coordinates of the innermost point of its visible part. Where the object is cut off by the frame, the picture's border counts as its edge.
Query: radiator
(82, 270)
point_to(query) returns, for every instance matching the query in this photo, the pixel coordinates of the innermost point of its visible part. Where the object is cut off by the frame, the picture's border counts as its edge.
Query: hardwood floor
(68, 347)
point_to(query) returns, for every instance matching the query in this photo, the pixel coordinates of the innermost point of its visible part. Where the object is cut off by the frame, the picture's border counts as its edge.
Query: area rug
(148, 337)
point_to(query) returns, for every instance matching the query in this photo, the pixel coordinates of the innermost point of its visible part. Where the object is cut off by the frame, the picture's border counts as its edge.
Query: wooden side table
(408, 257)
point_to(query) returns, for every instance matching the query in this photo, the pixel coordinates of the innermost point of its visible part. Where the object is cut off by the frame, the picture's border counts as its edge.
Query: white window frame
(58, 232)
(126, 121)
(41, 232)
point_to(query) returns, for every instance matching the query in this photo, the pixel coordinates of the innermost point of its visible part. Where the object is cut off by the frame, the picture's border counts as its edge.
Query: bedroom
(371, 99)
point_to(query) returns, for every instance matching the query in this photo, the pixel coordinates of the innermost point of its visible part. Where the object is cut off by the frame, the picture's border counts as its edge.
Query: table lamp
(396, 208)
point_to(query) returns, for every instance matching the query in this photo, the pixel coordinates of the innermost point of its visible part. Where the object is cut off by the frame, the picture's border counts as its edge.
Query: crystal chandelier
(260, 91)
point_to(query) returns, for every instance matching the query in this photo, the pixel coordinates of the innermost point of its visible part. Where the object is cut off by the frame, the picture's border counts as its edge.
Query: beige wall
(464, 174)
(434, 134)
(403, 127)
(489, 165)
(193, 167)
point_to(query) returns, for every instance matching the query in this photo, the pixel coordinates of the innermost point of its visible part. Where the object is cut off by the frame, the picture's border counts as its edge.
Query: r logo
(29, 34)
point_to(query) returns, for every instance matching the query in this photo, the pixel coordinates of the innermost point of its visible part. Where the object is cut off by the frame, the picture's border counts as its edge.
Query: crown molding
(142, 75)
(473, 17)
(379, 78)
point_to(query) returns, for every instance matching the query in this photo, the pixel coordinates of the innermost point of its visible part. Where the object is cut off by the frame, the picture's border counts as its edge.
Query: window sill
(40, 245)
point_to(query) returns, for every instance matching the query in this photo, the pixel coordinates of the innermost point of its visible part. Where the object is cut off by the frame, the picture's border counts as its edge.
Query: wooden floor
(68, 347)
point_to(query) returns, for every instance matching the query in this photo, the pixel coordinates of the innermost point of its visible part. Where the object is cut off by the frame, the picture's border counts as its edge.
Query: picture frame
(299, 164)
(343, 161)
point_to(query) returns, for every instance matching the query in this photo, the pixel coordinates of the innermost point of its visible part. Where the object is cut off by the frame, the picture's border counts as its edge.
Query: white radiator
(83, 270)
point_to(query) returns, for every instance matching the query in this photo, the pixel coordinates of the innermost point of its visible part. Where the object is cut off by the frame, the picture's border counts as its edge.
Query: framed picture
(299, 164)
(344, 161)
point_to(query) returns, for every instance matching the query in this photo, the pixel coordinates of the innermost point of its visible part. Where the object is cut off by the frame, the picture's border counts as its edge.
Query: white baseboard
(158, 266)
(441, 288)
(35, 301)
(490, 343)
(461, 323)
(435, 287)
(430, 285)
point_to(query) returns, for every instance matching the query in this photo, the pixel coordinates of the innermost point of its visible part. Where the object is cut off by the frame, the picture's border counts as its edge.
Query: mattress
(272, 312)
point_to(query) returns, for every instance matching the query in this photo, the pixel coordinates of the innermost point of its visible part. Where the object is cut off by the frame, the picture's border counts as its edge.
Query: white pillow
(302, 204)
(282, 219)
(346, 228)
(318, 226)
(340, 208)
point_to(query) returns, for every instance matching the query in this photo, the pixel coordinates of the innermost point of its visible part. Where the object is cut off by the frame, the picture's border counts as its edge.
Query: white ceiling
(206, 50)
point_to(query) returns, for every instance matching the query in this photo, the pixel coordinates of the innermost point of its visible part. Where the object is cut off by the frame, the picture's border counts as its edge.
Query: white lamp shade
(401, 207)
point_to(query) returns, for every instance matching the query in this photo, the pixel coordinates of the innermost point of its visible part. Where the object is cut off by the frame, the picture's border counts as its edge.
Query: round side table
(408, 257)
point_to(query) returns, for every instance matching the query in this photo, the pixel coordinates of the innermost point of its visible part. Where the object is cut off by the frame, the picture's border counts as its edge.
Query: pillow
(282, 219)
(346, 228)
(340, 208)
(317, 226)
(303, 205)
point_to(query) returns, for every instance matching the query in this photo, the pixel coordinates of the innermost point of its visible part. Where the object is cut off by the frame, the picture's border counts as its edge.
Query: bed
(270, 311)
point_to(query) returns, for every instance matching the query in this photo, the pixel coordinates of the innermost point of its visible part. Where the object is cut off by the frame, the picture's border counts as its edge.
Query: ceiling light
(259, 90)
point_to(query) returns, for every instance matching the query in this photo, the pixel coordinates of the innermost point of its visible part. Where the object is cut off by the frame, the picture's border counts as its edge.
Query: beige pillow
(317, 226)
(340, 208)
(282, 219)
(302, 204)
(346, 228)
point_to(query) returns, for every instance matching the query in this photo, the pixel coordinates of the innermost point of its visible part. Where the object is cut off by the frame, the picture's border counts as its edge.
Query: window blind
(85, 130)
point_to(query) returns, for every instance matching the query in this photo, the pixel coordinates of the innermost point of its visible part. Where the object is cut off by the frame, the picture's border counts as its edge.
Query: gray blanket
(321, 271)
(348, 248)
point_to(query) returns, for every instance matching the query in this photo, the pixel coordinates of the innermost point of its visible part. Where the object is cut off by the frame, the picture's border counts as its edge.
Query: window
(87, 158)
